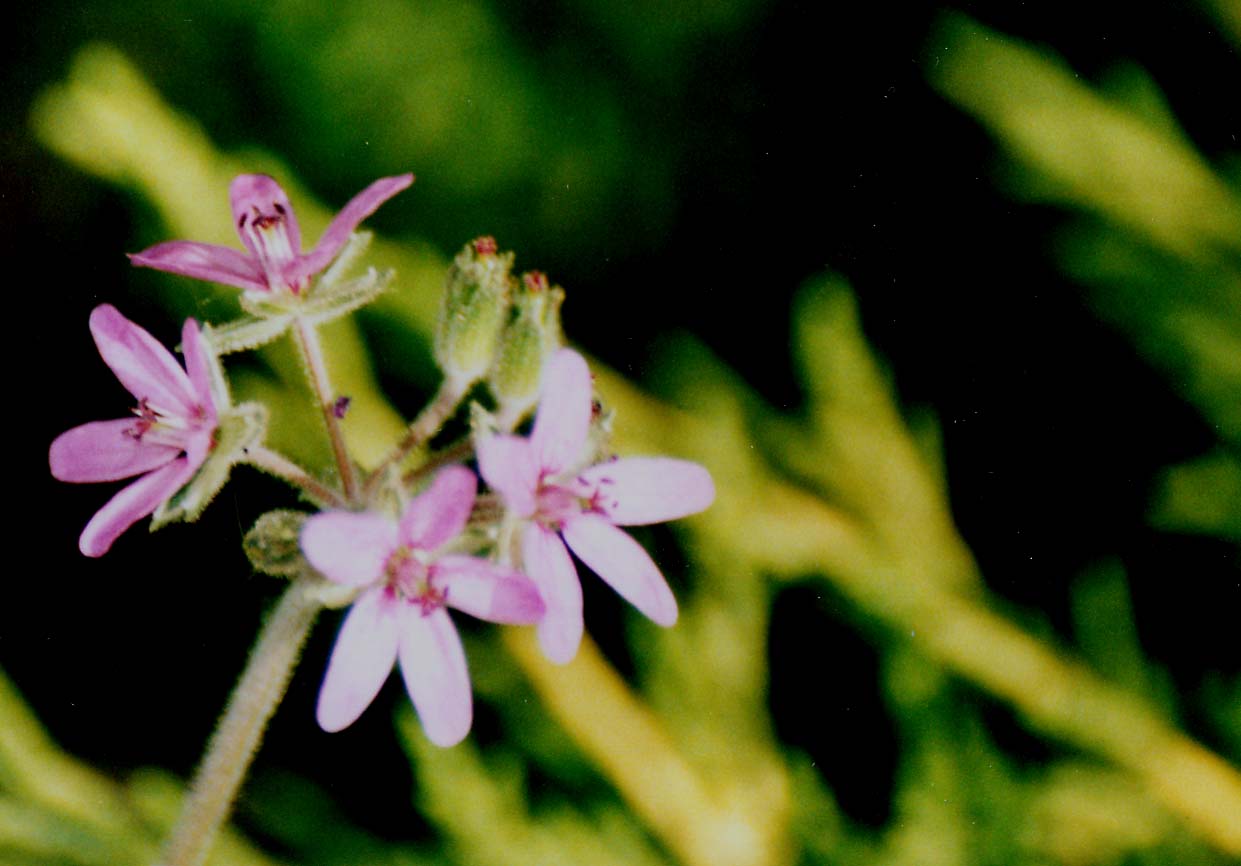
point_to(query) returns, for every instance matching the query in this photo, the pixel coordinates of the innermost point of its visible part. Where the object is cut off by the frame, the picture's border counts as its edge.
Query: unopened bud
(476, 303)
(530, 338)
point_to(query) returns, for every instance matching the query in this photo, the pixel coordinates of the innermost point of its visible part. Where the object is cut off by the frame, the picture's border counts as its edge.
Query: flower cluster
(405, 542)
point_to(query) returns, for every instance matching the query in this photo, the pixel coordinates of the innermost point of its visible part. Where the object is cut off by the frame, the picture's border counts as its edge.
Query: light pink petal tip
(105, 451)
(359, 208)
(563, 418)
(623, 563)
(132, 504)
(349, 548)
(361, 660)
(203, 262)
(440, 512)
(435, 673)
(507, 464)
(639, 490)
(141, 363)
(548, 564)
(489, 591)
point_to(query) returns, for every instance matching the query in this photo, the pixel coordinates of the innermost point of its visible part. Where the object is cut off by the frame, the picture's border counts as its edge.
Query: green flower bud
(530, 338)
(476, 306)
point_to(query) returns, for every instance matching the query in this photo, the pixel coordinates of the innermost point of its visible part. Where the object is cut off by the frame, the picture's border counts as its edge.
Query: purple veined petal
(435, 674)
(507, 464)
(359, 208)
(549, 565)
(141, 363)
(361, 660)
(440, 512)
(204, 262)
(349, 548)
(265, 221)
(197, 365)
(105, 451)
(624, 564)
(639, 490)
(563, 418)
(132, 504)
(488, 591)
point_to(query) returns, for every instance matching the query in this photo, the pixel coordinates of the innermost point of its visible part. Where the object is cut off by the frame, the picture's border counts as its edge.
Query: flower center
(410, 578)
(269, 237)
(556, 502)
(158, 427)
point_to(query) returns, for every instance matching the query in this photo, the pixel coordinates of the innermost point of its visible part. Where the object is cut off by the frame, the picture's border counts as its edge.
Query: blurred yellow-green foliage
(873, 663)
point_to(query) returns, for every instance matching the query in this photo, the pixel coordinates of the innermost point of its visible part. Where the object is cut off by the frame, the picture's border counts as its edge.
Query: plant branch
(307, 340)
(237, 736)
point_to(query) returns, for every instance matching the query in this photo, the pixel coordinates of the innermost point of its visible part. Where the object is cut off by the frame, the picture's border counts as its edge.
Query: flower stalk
(237, 736)
(307, 340)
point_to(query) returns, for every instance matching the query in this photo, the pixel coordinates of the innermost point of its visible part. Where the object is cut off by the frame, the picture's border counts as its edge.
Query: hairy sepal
(240, 428)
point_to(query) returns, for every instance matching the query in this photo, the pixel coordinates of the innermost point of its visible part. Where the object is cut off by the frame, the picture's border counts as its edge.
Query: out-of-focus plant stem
(621, 735)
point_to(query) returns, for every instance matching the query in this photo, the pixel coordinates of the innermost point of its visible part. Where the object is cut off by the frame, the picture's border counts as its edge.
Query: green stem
(421, 431)
(282, 467)
(307, 340)
(237, 736)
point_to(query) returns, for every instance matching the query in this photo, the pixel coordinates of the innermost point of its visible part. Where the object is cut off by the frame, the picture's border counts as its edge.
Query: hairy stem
(307, 340)
(454, 453)
(421, 431)
(282, 467)
(237, 736)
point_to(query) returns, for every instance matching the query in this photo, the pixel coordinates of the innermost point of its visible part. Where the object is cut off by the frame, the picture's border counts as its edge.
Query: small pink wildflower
(268, 228)
(400, 614)
(540, 481)
(167, 441)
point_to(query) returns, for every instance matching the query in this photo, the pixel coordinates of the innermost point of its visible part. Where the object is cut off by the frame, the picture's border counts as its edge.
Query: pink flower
(268, 228)
(166, 443)
(541, 483)
(400, 614)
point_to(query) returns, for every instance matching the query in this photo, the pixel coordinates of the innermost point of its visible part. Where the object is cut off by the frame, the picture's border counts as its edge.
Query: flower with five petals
(559, 503)
(166, 443)
(269, 231)
(407, 579)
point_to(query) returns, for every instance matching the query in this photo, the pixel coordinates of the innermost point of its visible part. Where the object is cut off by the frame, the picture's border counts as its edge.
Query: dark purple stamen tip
(341, 406)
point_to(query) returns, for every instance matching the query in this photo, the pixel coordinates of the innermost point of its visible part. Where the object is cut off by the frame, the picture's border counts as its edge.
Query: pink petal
(361, 660)
(440, 512)
(550, 567)
(132, 504)
(275, 240)
(622, 562)
(141, 363)
(564, 412)
(197, 364)
(507, 464)
(204, 262)
(438, 682)
(359, 208)
(637, 490)
(349, 548)
(106, 451)
(488, 591)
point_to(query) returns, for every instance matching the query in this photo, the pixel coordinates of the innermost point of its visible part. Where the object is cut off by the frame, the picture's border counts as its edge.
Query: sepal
(239, 428)
(527, 342)
(273, 544)
(474, 310)
(245, 334)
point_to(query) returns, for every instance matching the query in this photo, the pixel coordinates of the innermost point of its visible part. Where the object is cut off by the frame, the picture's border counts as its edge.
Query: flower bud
(530, 338)
(475, 307)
